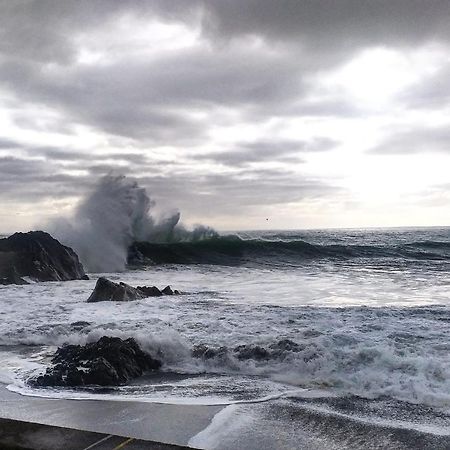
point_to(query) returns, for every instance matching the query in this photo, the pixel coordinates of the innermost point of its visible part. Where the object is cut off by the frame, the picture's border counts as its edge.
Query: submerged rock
(110, 361)
(80, 324)
(285, 345)
(251, 352)
(107, 290)
(277, 350)
(39, 256)
(204, 352)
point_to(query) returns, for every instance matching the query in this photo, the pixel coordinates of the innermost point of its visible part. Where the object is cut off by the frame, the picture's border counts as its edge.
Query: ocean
(293, 331)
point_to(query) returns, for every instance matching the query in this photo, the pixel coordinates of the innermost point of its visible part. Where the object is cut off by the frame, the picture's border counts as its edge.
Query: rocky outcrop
(10, 276)
(107, 290)
(110, 361)
(39, 256)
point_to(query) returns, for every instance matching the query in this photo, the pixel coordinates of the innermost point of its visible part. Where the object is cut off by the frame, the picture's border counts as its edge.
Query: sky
(242, 114)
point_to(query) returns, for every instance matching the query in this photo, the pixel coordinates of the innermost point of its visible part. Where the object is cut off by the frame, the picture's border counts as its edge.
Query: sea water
(354, 323)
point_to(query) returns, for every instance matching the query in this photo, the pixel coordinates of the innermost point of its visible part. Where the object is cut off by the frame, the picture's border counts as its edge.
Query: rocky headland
(40, 257)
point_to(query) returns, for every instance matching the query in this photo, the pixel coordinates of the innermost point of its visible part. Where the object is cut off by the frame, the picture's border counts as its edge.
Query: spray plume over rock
(111, 217)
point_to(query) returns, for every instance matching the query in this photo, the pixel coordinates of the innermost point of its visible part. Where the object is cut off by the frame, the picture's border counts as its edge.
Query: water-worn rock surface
(110, 361)
(107, 290)
(39, 256)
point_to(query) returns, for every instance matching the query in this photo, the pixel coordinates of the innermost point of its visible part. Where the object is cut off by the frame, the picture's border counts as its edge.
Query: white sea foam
(225, 423)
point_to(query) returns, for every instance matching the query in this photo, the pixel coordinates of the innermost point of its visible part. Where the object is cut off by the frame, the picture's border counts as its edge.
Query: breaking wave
(234, 250)
(115, 214)
(342, 366)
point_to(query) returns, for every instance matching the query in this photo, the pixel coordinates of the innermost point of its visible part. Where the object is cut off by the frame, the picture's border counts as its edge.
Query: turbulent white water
(368, 333)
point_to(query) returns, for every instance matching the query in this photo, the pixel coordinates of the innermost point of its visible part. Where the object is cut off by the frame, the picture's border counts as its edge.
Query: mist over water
(110, 218)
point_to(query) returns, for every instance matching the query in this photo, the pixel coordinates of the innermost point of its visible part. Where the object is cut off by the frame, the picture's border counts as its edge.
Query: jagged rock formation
(39, 256)
(107, 290)
(110, 361)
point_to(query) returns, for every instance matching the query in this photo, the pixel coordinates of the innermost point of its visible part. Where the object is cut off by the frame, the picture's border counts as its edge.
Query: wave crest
(234, 250)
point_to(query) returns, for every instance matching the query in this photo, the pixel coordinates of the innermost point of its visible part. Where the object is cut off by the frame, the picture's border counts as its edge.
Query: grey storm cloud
(316, 23)
(331, 26)
(8, 144)
(415, 140)
(254, 62)
(229, 193)
(276, 150)
(29, 179)
(47, 30)
(54, 155)
(43, 180)
(290, 146)
(46, 174)
(151, 99)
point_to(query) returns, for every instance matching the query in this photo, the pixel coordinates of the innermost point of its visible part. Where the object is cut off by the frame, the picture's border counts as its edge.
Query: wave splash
(114, 215)
(341, 366)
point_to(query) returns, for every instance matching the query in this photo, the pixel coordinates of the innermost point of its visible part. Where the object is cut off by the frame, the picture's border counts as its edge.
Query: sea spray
(112, 216)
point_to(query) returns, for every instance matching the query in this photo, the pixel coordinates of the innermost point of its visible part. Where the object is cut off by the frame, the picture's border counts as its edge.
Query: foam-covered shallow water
(372, 327)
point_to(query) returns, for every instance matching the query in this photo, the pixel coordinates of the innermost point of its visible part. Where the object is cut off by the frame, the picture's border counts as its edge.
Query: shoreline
(308, 423)
(161, 423)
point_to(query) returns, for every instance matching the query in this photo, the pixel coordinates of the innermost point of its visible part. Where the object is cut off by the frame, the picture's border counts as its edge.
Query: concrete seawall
(15, 435)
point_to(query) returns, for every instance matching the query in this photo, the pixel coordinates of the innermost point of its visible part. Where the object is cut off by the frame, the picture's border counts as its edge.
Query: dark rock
(80, 324)
(251, 352)
(204, 352)
(285, 345)
(136, 259)
(11, 277)
(39, 256)
(198, 351)
(110, 361)
(277, 350)
(107, 290)
(167, 291)
(150, 291)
